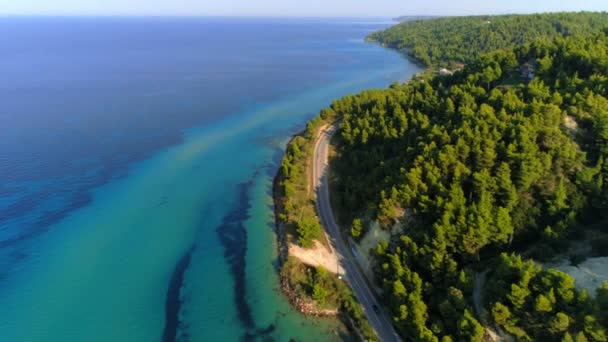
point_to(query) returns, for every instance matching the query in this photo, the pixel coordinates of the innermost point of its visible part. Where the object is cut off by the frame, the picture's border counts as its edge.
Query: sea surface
(136, 161)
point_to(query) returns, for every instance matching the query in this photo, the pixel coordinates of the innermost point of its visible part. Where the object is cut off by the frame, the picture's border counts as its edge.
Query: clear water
(136, 160)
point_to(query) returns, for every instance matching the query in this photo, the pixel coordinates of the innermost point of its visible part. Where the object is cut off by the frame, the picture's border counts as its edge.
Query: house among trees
(445, 72)
(527, 70)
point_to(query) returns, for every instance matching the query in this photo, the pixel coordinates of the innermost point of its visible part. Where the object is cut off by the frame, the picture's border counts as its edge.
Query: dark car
(376, 309)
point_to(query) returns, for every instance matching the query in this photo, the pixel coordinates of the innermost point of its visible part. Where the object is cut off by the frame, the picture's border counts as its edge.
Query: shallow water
(136, 167)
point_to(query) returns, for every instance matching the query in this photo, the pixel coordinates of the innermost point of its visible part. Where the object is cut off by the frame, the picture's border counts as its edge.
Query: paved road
(355, 278)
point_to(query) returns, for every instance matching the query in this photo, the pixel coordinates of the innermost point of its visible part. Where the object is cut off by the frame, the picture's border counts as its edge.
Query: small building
(445, 72)
(459, 66)
(527, 70)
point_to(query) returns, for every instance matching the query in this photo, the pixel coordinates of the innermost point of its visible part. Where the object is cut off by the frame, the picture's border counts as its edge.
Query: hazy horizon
(279, 8)
(261, 16)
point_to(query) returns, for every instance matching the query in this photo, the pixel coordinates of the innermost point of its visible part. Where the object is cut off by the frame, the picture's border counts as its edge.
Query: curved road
(355, 278)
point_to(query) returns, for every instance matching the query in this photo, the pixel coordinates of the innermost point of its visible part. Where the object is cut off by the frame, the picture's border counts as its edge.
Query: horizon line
(267, 16)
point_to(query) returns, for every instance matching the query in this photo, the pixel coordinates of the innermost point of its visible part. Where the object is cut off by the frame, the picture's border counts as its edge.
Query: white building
(445, 72)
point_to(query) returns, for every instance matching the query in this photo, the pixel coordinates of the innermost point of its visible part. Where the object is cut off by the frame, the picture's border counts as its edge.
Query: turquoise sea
(136, 161)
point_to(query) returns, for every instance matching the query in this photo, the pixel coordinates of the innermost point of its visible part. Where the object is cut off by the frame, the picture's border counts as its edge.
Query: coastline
(348, 310)
(405, 53)
(303, 305)
(310, 288)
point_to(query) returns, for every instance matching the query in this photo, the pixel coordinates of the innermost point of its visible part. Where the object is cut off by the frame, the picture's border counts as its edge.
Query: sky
(352, 8)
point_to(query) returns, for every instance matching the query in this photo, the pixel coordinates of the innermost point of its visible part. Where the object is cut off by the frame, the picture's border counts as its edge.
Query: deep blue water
(135, 163)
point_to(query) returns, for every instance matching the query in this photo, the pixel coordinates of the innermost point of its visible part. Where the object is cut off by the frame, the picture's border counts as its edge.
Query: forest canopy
(462, 39)
(485, 172)
(484, 168)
